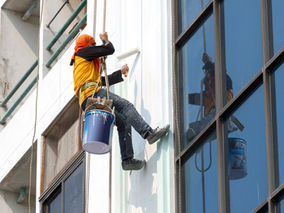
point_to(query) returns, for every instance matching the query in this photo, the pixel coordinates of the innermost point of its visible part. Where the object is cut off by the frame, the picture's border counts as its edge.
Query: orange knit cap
(81, 42)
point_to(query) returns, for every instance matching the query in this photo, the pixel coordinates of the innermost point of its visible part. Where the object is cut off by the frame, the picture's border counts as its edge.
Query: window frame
(269, 63)
(58, 184)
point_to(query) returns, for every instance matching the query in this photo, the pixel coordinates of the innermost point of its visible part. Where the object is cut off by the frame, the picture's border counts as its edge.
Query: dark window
(55, 204)
(66, 190)
(73, 192)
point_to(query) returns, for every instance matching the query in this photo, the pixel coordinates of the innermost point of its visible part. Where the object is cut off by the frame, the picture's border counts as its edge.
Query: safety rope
(35, 120)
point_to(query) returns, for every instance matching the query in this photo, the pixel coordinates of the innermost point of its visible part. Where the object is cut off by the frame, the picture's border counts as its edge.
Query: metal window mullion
(196, 23)
(269, 101)
(220, 94)
(62, 195)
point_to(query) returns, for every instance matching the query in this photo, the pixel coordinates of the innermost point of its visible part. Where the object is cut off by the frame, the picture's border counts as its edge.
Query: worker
(208, 97)
(86, 64)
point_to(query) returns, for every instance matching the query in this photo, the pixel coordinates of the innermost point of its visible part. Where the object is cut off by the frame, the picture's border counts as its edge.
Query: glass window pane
(247, 154)
(200, 179)
(242, 41)
(55, 205)
(188, 10)
(73, 192)
(280, 205)
(278, 26)
(197, 69)
(279, 78)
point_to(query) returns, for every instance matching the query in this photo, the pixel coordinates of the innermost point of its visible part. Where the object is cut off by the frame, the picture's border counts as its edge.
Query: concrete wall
(8, 203)
(19, 50)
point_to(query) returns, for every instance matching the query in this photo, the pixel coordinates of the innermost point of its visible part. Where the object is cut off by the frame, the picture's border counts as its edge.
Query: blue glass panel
(242, 40)
(194, 65)
(200, 179)
(278, 26)
(73, 192)
(55, 205)
(279, 78)
(188, 10)
(247, 154)
(280, 205)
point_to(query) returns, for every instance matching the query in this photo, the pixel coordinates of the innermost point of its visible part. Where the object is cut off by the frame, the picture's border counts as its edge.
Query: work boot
(157, 134)
(132, 164)
(190, 134)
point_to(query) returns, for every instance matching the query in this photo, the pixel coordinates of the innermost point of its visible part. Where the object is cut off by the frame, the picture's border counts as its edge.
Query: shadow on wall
(138, 141)
(143, 189)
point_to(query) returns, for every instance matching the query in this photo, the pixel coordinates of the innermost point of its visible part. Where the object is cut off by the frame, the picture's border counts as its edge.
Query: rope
(35, 120)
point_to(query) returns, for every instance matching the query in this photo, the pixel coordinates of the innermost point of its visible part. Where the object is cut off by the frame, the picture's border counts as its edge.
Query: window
(247, 155)
(279, 87)
(66, 193)
(278, 27)
(188, 11)
(200, 178)
(197, 68)
(242, 41)
(244, 136)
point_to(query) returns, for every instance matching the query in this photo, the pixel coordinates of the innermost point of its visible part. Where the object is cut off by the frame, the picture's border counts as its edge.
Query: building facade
(212, 69)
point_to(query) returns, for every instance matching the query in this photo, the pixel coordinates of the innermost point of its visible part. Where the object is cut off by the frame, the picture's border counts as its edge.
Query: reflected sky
(248, 192)
(242, 40)
(279, 78)
(188, 10)
(73, 192)
(195, 187)
(278, 24)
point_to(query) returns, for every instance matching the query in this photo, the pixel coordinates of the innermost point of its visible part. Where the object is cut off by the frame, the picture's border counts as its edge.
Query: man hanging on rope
(208, 97)
(86, 64)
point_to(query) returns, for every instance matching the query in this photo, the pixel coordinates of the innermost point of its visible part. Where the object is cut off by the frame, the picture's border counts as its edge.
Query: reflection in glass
(199, 179)
(242, 41)
(73, 192)
(188, 10)
(198, 81)
(279, 78)
(247, 154)
(55, 205)
(278, 26)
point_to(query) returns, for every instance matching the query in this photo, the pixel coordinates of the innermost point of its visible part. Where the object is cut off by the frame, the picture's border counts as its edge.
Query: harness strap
(86, 86)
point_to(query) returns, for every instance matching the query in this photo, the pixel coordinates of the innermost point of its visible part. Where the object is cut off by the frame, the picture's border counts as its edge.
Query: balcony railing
(70, 36)
(53, 57)
(14, 90)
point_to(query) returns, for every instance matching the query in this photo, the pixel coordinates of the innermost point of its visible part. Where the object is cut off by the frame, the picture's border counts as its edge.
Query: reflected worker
(207, 100)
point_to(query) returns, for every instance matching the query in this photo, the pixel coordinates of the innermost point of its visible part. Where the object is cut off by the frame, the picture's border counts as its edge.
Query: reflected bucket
(237, 158)
(98, 131)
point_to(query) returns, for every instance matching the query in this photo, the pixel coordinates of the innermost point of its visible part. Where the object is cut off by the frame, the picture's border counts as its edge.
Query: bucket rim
(98, 110)
(236, 138)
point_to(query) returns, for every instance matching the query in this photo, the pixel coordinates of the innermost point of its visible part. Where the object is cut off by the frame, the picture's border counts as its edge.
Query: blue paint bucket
(237, 158)
(98, 131)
